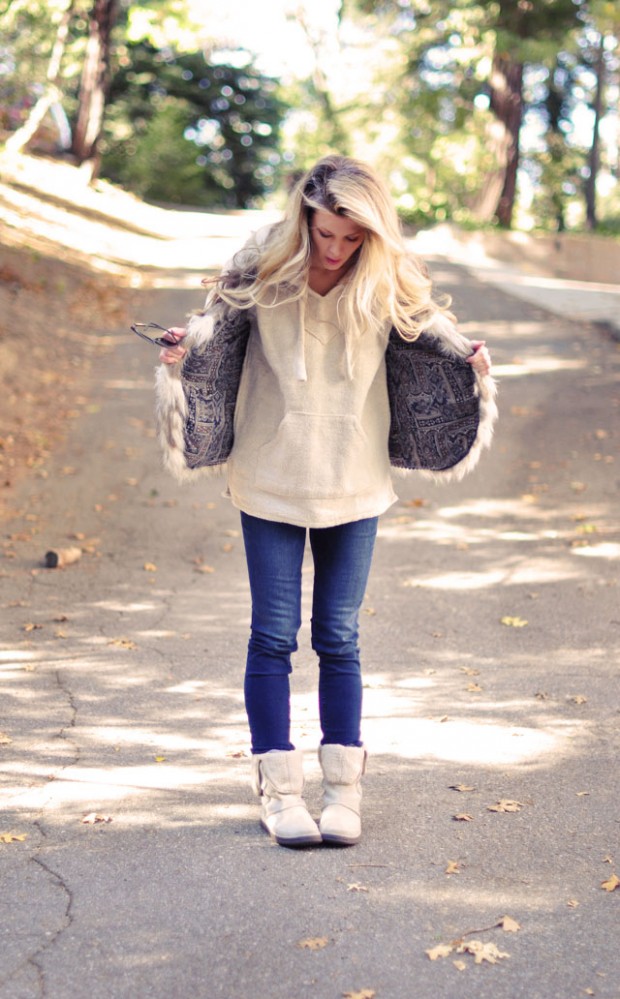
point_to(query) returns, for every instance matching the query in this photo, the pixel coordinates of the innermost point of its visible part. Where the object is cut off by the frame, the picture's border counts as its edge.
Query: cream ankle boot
(277, 777)
(343, 767)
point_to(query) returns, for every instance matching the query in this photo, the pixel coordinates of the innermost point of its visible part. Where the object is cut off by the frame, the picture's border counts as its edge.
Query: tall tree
(523, 30)
(94, 81)
(449, 43)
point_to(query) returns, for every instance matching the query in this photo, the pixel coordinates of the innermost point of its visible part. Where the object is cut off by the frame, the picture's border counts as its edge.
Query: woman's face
(334, 239)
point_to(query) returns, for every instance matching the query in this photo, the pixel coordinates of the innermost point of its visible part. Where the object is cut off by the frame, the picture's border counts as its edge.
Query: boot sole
(340, 840)
(295, 844)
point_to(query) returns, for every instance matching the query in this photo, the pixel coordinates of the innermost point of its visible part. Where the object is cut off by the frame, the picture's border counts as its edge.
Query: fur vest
(442, 413)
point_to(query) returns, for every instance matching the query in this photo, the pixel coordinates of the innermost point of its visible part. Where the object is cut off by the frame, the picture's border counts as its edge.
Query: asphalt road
(122, 704)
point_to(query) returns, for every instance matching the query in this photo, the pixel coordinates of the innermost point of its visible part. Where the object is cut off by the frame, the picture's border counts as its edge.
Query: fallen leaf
(204, 568)
(12, 837)
(459, 965)
(577, 699)
(452, 868)
(607, 860)
(582, 794)
(506, 805)
(611, 884)
(313, 943)
(463, 817)
(32, 627)
(541, 695)
(124, 643)
(150, 567)
(441, 950)
(589, 992)
(573, 903)
(93, 818)
(482, 951)
(509, 925)
(462, 787)
(227, 548)
(160, 759)
(5, 740)
(474, 688)
(514, 622)
(364, 994)
(357, 887)
(469, 671)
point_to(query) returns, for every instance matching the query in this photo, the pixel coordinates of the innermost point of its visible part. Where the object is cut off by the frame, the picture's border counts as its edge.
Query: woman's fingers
(480, 360)
(176, 352)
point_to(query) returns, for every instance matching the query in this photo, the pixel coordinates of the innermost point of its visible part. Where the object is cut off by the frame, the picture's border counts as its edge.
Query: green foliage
(447, 146)
(218, 126)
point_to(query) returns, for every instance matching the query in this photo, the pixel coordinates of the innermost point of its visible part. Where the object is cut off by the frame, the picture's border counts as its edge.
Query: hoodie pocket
(315, 457)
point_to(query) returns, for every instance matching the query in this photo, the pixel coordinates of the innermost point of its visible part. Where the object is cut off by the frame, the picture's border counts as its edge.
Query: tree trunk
(593, 157)
(507, 105)
(52, 93)
(94, 81)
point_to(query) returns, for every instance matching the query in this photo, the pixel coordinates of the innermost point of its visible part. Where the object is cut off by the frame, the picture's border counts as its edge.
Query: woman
(319, 294)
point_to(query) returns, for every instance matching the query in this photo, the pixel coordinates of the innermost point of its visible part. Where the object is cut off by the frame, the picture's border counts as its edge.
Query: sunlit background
(478, 114)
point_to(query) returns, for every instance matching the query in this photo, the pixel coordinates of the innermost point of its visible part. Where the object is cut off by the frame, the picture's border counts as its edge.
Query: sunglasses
(144, 330)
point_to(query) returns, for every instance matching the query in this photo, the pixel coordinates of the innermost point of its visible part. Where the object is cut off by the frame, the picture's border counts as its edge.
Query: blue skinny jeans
(342, 557)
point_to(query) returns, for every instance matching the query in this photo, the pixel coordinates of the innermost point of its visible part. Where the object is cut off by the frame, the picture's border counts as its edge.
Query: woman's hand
(480, 360)
(176, 352)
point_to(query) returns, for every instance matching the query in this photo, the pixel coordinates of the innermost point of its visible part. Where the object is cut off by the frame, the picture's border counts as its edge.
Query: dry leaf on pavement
(462, 787)
(93, 818)
(509, 925)
(463, 817)
(12, 837)
(356, 887)
(506, 805)
(611, 884)
(453, 867)
(313, 943)
(482, 951)
(364, 994)
(441, 950)
(514, 622)
(124, 643)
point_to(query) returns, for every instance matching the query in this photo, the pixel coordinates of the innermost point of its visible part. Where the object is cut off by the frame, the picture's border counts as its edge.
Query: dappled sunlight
(16, 657)
(534, 572)
(604, 550)
(393, 726)
(476, 743)
(446, 893)
(539, 365)
(132, 607)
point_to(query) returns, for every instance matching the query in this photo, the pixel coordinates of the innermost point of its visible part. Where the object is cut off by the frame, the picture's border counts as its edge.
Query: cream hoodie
(312, 418)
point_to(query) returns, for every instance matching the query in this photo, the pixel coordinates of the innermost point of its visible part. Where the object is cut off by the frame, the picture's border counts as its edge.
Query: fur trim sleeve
(195, 399)
(442, 412)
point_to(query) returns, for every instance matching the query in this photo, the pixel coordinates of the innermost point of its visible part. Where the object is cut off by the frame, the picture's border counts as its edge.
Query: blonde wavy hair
(386, 281)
